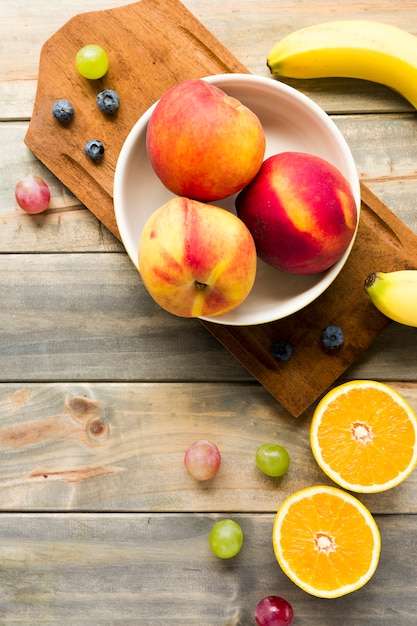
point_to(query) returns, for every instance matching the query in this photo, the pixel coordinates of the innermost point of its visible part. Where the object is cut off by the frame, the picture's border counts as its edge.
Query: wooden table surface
(101, 391)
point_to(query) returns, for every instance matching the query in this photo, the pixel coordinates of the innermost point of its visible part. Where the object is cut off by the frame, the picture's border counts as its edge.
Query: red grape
(202, 460)
(32, 194)
(274, 611)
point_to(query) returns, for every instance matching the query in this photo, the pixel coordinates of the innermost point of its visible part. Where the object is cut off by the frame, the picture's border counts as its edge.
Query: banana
(363, 49)
(394, 294)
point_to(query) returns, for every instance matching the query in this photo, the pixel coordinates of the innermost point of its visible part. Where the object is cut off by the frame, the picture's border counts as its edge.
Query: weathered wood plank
(73, 438)
(88, 316)
(119, 446)
(66, 317)
(387, 167)
(67, 225)
(392, 353)
(248, 39)
(19, 57)
(153, 570)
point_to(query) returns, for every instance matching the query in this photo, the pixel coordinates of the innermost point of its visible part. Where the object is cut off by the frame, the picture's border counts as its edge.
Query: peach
(301, 212)
(202, 143)
(196, 259)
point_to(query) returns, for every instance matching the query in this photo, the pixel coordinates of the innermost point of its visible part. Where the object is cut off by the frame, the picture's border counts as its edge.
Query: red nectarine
(301, 212)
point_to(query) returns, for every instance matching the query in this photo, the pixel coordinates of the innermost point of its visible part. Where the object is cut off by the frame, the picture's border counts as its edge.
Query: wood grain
(69, 227)
(87, 315)
(92, 446)
(144, 62)
(247, 38)
(152, 570)
(75, 323)
(182, 48)
(383, 241)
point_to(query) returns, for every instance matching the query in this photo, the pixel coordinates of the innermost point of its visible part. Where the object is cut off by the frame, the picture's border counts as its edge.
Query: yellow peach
(202, 143)
(196, 259)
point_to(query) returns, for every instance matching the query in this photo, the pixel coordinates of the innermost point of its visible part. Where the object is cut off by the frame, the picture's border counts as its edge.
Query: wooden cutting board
(152, 45)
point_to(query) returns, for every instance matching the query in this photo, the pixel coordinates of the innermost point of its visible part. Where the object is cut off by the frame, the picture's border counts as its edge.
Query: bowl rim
(267, 84)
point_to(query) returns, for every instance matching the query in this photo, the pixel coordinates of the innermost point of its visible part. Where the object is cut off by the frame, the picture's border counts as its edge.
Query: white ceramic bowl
(291, 121)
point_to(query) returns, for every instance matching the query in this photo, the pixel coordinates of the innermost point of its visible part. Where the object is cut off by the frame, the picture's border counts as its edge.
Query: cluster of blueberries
(331, 338)
(107, 101)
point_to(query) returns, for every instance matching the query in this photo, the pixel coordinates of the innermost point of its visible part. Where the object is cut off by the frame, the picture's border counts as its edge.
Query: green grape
(92, 61)
(226, 539)
(272, 459)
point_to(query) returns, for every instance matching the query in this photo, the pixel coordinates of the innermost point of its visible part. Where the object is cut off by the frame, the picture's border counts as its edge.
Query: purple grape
(274, 611)
(202, 460)
(32, 194)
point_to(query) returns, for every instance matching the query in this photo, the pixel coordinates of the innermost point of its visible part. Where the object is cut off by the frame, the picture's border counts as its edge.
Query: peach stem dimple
(361, 432)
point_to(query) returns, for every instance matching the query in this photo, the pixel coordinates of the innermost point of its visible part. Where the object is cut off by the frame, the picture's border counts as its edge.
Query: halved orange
(364, 436)
(326, 541)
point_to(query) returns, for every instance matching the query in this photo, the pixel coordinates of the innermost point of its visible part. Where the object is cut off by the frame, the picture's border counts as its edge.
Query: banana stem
(369, 280)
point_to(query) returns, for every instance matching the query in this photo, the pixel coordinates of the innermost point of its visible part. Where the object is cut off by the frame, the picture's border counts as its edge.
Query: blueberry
(281, 350)
(332, 337)
(108, 101)
(63, 110)
(94, 149)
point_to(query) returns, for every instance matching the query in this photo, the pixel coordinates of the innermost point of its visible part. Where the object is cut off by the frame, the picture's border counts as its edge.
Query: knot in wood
(97, 430)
